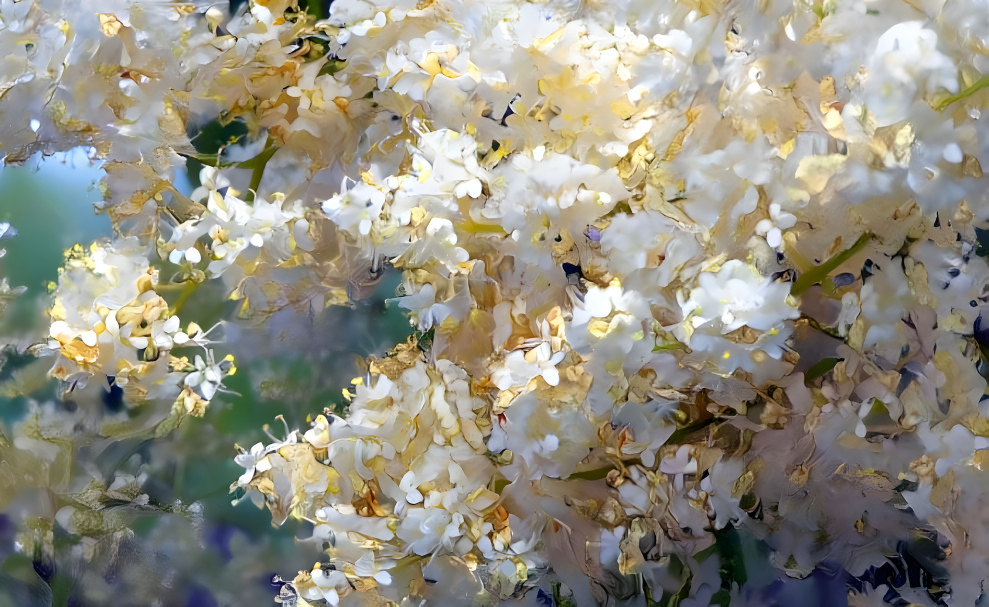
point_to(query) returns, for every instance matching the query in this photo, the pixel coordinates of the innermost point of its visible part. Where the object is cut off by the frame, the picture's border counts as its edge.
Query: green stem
(212, 160)
(260, 162)
(973, 88)
(215, 160)
(819, 273)
(187, 290)
(823, 328)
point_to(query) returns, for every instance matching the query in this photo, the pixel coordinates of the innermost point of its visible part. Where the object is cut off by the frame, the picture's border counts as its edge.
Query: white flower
(773, 227)
(252, 461)
(234, 226)
(719, 486)
(208, 376)
(520, 367)
(356, 208)
(331, 583)
(906, 60)
(738, 295)
(190, 255)
(426, 529)
(366, 567)
(408, 484)
(546, 441)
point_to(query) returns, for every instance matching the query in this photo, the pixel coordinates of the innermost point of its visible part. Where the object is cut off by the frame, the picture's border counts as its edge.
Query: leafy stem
(820, 273)
(968, 91)
(188, 288)
(256, 164)
(259, 163)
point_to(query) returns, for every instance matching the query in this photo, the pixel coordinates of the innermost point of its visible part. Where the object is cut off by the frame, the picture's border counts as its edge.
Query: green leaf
(331, 67)
(982, 242)
(682, 594)
(728, 544)
(930, 557)
(424, 339)
(215, 135)
(559, 600)
(594, 474)
(681, 434)
(728, 548)
(671, 347)
(316, 8)
(820, 368)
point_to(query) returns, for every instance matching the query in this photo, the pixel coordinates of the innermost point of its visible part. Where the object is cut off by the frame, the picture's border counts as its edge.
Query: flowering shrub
(676, 271)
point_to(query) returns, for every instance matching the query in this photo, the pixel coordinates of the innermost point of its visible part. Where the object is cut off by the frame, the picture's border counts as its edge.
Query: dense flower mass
(676, 271)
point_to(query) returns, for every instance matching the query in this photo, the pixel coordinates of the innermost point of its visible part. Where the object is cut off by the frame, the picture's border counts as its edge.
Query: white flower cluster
(674, 267)
(234, 228)
(108, 321)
